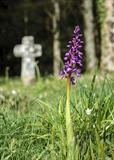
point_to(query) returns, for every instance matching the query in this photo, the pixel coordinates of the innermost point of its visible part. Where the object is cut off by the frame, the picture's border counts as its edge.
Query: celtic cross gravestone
(28, 51)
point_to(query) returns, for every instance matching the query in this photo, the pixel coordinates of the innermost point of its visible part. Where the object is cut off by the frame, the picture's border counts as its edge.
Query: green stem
(69, 129)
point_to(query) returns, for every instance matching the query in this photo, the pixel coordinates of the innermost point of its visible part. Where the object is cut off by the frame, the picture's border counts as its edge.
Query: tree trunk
(91, 61)
(56, 37)
(107, 58)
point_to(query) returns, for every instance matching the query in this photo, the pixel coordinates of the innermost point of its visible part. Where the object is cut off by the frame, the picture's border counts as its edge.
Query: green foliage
(39, 133)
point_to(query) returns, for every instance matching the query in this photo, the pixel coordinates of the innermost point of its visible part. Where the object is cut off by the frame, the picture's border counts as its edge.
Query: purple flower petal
(73, 57)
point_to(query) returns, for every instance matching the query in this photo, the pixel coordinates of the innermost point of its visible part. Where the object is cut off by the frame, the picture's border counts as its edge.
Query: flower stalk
(69, 128)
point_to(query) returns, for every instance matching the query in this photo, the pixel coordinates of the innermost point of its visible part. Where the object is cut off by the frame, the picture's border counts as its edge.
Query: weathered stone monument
(28, 51)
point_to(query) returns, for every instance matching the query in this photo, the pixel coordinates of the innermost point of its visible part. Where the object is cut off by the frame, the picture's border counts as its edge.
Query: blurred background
(52, 22)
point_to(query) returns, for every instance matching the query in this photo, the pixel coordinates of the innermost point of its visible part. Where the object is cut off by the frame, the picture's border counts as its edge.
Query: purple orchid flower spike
(73, 57)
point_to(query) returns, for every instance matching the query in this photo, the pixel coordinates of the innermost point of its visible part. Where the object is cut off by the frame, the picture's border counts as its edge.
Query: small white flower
(14, 92)
(88, 111)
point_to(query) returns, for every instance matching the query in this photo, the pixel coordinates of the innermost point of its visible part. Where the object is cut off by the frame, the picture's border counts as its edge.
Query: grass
(32, 119)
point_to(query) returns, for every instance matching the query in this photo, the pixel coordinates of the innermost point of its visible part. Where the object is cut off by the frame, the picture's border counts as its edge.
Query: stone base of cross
(28, 51)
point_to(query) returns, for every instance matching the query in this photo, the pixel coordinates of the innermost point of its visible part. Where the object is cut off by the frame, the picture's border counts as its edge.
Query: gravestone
(28, 51)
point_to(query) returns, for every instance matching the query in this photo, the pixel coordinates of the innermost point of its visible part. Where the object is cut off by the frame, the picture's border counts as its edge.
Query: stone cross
(28, 51)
